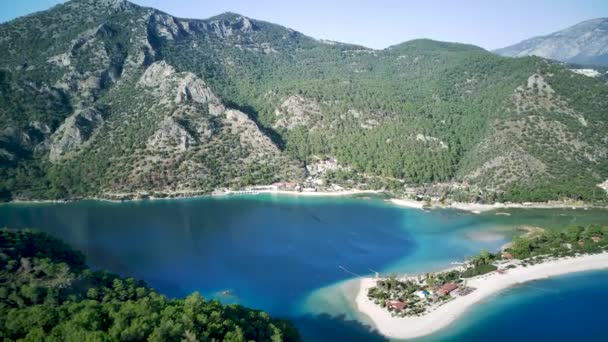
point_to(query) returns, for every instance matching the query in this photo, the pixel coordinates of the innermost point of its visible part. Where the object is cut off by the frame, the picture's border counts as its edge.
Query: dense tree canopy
(47, 293)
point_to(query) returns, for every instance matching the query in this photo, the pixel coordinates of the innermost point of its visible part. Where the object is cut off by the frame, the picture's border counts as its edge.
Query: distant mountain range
(104, 98)
(583, 43)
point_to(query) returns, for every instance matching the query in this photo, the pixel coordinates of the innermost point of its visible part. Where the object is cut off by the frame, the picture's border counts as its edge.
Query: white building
(422, 294)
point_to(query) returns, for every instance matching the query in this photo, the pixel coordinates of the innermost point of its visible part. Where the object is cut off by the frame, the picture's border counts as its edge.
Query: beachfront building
(446, 289)
(396, 304)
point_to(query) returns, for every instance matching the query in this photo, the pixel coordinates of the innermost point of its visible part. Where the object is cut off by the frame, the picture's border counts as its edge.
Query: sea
(299, 258)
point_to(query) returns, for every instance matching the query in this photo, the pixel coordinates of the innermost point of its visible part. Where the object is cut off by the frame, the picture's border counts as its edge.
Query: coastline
(478, 208)
(486, 286)
(134, 197)
(351, 192)
(407, 203)
(475, 208)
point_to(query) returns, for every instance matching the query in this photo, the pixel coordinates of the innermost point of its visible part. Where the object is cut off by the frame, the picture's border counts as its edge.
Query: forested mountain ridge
(102, 97)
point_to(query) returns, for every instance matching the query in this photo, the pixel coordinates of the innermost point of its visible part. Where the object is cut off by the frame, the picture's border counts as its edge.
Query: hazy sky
(380, 23)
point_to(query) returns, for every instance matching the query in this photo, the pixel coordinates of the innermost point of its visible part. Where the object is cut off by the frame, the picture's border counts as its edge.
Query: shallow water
(290, 256)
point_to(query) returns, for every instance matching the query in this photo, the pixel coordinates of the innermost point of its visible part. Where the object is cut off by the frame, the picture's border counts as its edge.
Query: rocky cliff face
(583, 43)
(118, 94)
(75, 131)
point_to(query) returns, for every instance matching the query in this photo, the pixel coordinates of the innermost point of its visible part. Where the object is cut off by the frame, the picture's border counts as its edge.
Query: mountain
(110, 99)
(583, 43)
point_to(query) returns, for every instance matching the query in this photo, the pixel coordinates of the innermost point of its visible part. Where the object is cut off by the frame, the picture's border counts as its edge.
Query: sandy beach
(478, 208)
(408, 203)
(182, 194)
(320, 193)
(486, 285)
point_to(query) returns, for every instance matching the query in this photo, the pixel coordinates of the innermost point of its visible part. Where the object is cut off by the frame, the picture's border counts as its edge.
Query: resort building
(396, 304)
(445, 289)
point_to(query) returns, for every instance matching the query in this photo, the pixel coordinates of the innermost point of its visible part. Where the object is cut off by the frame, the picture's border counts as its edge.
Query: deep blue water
(568, 308)
(276, 253)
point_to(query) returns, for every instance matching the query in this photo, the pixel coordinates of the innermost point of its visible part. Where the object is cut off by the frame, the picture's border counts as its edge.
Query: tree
(594, 230)
(573, 233)
(520, 247)
(485, 257)
(101, 306)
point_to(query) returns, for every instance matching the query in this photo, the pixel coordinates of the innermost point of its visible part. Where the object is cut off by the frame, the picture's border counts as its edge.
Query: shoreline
(137, 197)
(486, 286)
(351, 192)
(475, 208)
(478, 208)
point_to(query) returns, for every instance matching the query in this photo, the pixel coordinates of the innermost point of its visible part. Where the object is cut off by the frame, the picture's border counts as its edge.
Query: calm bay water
(292, 256)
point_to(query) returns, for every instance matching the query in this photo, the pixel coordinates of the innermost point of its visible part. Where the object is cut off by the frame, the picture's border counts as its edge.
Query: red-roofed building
(596, 238)
(396, 304)
(446, 289)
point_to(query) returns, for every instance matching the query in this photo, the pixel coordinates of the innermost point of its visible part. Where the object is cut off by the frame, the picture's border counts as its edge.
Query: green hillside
(128, 99)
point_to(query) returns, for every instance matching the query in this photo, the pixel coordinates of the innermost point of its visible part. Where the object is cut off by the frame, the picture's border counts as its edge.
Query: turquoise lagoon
(296, 257)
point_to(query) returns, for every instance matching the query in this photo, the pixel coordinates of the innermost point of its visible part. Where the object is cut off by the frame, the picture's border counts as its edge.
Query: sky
(378, 24)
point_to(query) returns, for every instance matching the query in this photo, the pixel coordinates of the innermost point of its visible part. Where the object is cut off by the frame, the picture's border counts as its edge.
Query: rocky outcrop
(6, 157)
(75, 131)
(192, 89)
(162, 80)
(250, 136)
(296, 111)
(18, 142)
(604, 185)
(538, 83)
(429, 139)
(230, 25)
(185, 124)
(172, 132)
(104, 67)
(165, 26)
(62, 60)
(156, 75)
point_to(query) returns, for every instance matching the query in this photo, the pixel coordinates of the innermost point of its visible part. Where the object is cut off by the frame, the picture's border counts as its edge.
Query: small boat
(226, 293)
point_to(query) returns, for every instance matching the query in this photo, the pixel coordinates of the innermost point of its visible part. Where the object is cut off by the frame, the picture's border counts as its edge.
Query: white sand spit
(486, 285)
